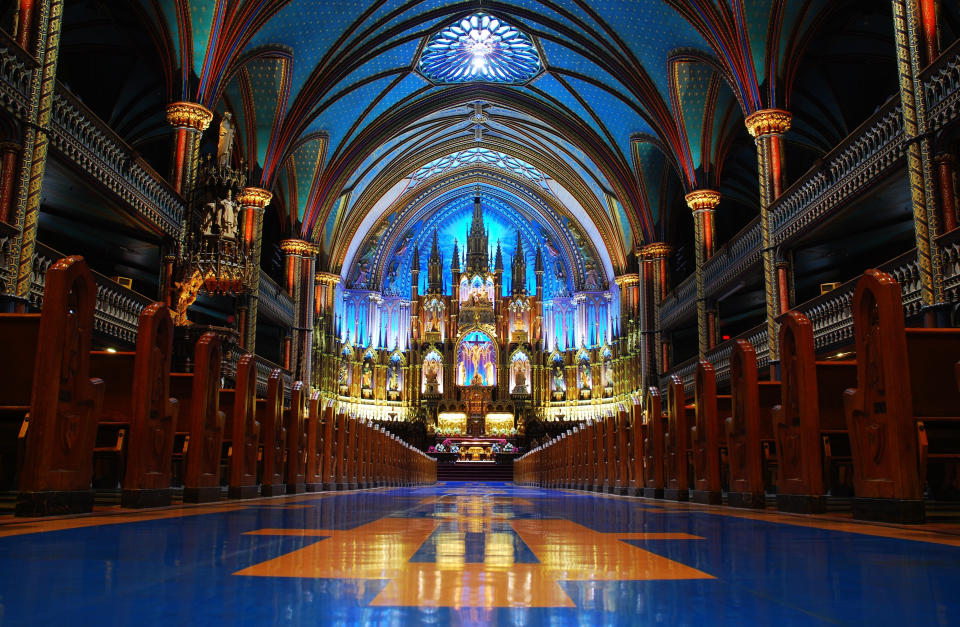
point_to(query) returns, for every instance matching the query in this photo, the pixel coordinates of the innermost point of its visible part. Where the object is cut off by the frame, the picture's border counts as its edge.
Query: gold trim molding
(298, 247)
(656, 250)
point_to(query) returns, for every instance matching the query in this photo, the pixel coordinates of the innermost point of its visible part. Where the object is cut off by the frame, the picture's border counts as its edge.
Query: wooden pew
(314, 476)
(749, 428)
(622, 486)
(905, 411)
(638, 433)
(296, 441)
(653, 445)
(676, 438)
(273, 438)
(340, 453)
(708, 436)
(64, 401)
(809, 425)
(329, 433)
(242, 430)
(137, 400)
(201, 409)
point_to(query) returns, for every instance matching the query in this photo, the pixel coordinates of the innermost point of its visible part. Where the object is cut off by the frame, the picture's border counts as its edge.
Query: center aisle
(471, 553)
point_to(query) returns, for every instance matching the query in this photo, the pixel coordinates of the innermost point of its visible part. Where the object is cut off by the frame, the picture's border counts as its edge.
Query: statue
(489, 371)
(228, 216)
(342, 375)
(584, 372)
(366, 377)
(558, 385)
(431, 370)
(225, 143)
(393, 380)
(519, 376)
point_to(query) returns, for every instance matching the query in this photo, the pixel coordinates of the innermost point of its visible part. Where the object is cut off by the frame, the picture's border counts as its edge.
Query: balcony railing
(118, 308)
(91, 146)
(274, 302)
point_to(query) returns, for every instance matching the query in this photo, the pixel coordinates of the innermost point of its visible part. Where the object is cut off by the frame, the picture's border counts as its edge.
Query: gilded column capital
(189, 115)
(626, 280)
(298, 247)
(327, 278)
(768, 122)
(702, 200)
(254, 197)
(655, 250)
(9, 146)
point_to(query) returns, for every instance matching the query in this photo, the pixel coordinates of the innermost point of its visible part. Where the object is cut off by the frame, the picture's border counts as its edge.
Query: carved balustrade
(274, 301)
(118, 308)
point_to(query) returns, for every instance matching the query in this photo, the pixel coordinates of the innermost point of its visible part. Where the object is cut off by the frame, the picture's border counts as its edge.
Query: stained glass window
(480, 48)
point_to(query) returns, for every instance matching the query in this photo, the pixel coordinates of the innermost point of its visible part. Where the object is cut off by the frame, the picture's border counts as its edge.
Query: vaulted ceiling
(632, 103)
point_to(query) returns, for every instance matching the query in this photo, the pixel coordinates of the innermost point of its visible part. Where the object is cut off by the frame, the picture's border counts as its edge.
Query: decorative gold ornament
(254, 197)
(655, 250)
(702, 199)
(626, 280)
(189, 115)
(327, 278)
(768, 122)
(298, 247)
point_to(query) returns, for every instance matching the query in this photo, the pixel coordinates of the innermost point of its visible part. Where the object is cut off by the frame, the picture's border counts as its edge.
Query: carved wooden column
(767, 128)
(703, 203)
(253, 201)
(628, 286)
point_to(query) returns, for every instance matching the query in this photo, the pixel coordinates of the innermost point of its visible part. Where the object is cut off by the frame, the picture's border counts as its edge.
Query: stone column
(920, 167)
(703, 203)
(39, 34)
(9, 152)
(629, 287)
(946, 177)
(653, 277)
(253, 201)
(189, 121)
(300, 276)
(767, 128)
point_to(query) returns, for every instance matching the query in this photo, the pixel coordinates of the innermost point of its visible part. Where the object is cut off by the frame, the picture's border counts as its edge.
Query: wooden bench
(296, 441)
(273, 438)
(623, 483)
(655, 421)
(708, 436)
(904, 414)
(242, 430)
(328, 469)
(749, 428)
(809, 424)
(52, 365)
(676, 438)
(199, 395)
(137, 401)
(638, 433)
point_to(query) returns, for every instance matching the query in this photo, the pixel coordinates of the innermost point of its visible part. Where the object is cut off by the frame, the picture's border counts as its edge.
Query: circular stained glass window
(480, 48)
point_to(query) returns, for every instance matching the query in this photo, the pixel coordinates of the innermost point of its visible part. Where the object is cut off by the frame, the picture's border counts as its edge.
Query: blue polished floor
(472, 550)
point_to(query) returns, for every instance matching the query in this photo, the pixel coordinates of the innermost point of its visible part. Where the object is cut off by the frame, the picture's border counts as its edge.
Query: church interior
(479, 312)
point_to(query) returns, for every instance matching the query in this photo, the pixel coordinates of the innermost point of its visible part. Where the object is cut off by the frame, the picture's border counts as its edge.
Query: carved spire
(455, 262)
(435, 268)
(538, 262)
(478, 259)
(518, 267)
(498, 263)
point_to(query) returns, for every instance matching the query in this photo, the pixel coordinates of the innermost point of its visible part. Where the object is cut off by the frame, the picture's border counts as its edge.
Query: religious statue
(225, 143)
(431, 370)
(393, 380)
(519, 376)
(558, 385)
(489, 370)
(366, 376)
(342, 375)
(584, 375)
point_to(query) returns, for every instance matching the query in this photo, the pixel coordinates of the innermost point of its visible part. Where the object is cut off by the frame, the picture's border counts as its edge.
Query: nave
(473, 553)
